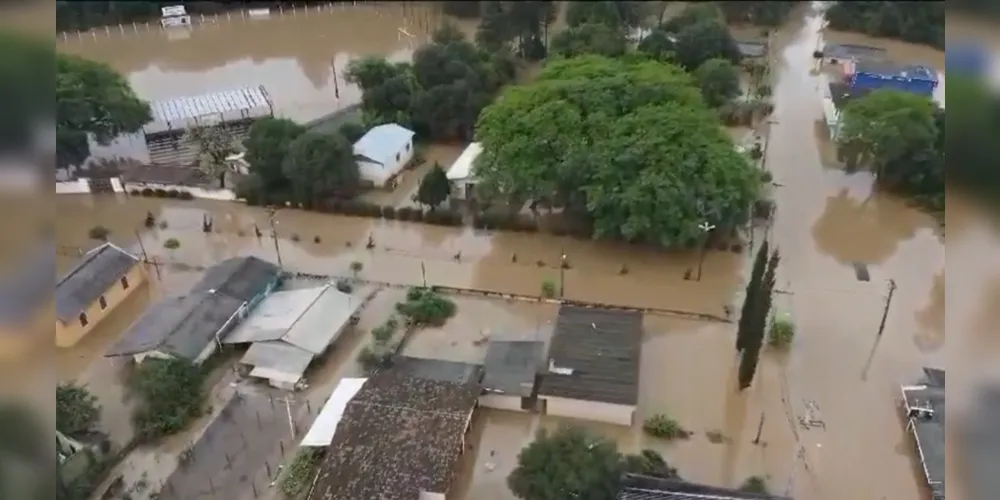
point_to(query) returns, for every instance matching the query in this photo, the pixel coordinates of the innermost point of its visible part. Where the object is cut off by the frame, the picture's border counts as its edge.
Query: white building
(463, 182)
(383, 153)
(593, 365)
(174, 16)
(289, 329)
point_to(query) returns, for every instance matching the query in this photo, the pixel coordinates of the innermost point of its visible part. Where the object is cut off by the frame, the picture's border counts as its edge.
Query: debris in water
(316, 239)
(687, 275)
(513, 258)
(861, 271)
(540, 263)
(623, 270)
(458, 256)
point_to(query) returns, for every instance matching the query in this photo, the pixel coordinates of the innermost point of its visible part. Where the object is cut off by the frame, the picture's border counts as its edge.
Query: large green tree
(92, 99)
(592, 38)
(319, 166)
(569, 463)
(434, 187)
(77, 411)
(625, 144)
(917, 22)
(897, 135)
(719, 81)
(657, 45)
(267, 145)
(705, 40)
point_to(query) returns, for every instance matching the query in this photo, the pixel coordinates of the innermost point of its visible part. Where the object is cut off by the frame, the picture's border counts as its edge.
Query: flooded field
(839, 372)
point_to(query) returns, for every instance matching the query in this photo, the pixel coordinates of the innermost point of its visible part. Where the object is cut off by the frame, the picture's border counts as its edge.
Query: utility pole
(274, 235)
(706, 228)
(562, 272)
(888, 302)
(145, 256)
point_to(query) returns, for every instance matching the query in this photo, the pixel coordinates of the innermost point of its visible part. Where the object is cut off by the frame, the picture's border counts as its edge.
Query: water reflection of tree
(930, 319)
(868, 231)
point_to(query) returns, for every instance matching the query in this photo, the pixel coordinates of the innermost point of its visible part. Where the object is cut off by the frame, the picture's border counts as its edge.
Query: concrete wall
(69, 333)
(589, 410)
(501, 402)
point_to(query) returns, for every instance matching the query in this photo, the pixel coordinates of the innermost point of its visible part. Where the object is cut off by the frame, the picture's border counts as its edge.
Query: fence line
(207, 20)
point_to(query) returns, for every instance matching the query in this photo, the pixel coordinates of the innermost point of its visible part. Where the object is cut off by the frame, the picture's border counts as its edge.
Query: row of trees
(915, 22)
(440, 94)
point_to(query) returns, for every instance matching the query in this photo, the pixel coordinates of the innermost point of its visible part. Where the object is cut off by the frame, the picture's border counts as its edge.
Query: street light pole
(705, 228)
(562, 273)
(274, 235)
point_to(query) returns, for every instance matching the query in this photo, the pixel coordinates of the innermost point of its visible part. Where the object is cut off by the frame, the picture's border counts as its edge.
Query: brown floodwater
(838, 372)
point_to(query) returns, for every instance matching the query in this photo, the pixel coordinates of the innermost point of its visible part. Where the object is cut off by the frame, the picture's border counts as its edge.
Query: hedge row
(162, 193)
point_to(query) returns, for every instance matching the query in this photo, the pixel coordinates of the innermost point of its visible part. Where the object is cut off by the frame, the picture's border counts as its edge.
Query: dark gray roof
(929, 431)
(24, 291)
(512, 366)
(96, 271)
(752, 49)
(981, 446)
(602, 348)
(638, 487)
(399, 435)
(240, 277)
(438, 370)
(182, 326)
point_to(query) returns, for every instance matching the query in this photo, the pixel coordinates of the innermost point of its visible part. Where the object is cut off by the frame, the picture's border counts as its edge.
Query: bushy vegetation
(782, 332)
(295, 478)
(424, 306)
(77, 411)
(99, 232)
(548, 289)
(172, 244)
(755, 484)
(916, 22)
(172, 395)
(664, 427)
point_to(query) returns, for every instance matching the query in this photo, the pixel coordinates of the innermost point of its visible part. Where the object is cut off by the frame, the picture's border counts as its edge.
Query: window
(103, 302)
(397, 156)
(125, 282)
(83, 319)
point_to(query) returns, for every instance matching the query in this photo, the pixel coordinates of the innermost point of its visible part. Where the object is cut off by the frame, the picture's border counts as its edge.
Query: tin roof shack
(925, 410)
(593, 365)
(872, 75)
(102, 279)
(289, 329)
(638, 487)
(510, 373)
(402, 435)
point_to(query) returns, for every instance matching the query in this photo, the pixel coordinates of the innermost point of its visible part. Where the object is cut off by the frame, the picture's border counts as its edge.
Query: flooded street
(839, 372)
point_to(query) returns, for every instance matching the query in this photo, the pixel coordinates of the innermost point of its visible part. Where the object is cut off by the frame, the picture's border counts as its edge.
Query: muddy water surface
(298, 55)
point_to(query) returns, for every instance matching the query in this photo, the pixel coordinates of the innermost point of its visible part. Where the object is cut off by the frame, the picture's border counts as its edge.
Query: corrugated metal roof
(383, 142)
(278, 357)
(275, 315)
(181, 108)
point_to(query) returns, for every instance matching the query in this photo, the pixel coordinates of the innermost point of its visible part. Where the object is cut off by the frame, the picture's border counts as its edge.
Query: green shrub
(296, 477)
(755, 484)
(424, 306)
(371, 358)
(356, 267)
(389, 212)
(134, 192)
(781, 333)
(147, 192)
(344, 286)
(548, 289)
(77, 410)
(664, 427)
(160, 193)
(383, 333)
(99, 232)
(172, 244)
(173, 193)
(172, 396)
(185, 195)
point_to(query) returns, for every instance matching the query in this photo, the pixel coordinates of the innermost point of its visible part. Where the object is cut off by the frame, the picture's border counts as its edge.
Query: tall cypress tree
(754, 338)
(753, 293)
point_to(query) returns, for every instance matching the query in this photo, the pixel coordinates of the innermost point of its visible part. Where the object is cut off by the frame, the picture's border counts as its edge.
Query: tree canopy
(719, 81)
(570, 463)
(77, 411)
(319, 166)
(625, 144)
(520, 26)
(916, 22)
(758, 13)
(440, 94)
(434, 187)
(266, 147)
(897, 134)
(591, 38)
(616, 15)
(92, 99)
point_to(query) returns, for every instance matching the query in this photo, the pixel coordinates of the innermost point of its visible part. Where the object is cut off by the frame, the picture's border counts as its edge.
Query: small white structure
(217, 108)
(174, 16)
(288, 329)
(463, 182)
(321, 433)
(383, 152)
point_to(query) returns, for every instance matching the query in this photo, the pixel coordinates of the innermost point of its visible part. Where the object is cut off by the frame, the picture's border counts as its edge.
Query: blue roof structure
(383, 142)
(887, 70)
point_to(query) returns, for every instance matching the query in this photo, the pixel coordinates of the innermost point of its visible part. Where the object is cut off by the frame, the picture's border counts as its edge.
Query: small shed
(509, 374)
(593, 365)
(289, 329)
(463, 182)
(383, 152)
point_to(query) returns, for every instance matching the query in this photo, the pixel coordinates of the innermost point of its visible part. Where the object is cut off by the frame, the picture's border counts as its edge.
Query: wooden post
(888, 302)
(760, 428)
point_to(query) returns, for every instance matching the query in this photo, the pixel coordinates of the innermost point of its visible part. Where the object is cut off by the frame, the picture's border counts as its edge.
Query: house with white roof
(383, 152)
(463, 182)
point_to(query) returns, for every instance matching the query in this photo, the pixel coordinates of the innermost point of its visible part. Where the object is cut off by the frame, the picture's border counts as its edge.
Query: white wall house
(383, 152)
(463, 182)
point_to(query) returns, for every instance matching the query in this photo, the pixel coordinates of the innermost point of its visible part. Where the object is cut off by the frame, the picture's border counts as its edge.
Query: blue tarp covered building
(872, 76)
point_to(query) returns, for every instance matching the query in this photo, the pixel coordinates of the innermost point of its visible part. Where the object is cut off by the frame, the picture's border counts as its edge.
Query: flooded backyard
(828, 223)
